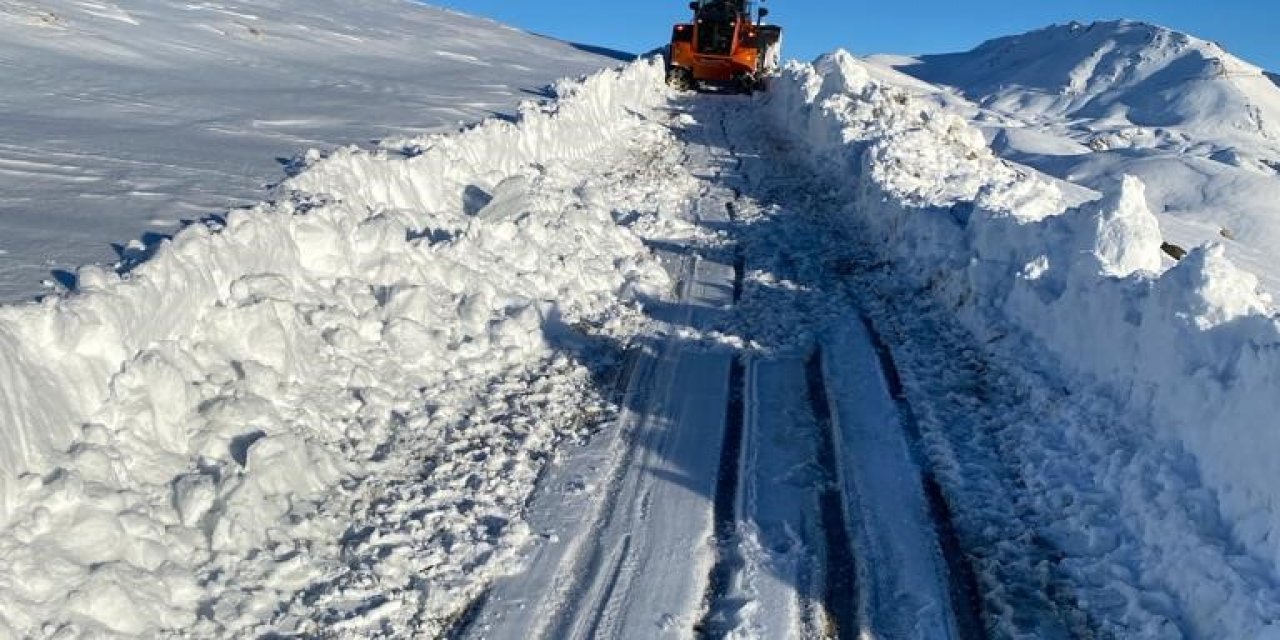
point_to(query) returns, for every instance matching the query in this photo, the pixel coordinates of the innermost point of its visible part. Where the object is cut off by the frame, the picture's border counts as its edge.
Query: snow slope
(121, 120)
(1087, 103)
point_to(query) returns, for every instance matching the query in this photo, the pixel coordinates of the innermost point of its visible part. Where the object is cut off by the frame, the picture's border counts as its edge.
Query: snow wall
(1194, 348)
(419, 253)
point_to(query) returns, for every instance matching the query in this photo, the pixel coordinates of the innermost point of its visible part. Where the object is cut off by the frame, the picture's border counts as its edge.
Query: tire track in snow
(838, 596)
(766, 580)
(728, 483)
(840, 567)
(728, 556)
(966, 598)
(869, 563)
(619, 558)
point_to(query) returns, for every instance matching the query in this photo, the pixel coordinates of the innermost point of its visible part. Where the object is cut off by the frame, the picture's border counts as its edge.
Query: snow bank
(445, 170)
(157, 420)
(1196, 348)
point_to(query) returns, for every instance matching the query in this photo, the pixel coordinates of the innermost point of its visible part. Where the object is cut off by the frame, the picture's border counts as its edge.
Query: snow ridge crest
(1121, 71)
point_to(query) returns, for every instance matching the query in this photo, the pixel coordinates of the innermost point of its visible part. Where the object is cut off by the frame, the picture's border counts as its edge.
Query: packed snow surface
(122, 120)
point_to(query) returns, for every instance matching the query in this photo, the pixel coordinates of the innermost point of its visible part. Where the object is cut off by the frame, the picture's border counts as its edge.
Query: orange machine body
(723, 45)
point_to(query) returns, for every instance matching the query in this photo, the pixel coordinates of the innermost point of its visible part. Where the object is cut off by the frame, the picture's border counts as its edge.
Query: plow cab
(723, 46)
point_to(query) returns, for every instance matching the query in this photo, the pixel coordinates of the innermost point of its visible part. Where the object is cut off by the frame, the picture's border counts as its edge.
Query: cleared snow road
(743, 492)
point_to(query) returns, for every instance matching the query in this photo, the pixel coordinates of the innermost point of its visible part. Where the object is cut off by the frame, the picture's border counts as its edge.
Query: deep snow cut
(326, 413)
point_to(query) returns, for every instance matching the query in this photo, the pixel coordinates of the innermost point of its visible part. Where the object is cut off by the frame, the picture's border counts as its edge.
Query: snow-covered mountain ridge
(1112, 72)
(1086, 103)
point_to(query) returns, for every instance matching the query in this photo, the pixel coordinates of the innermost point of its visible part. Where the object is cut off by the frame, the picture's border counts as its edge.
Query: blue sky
(1247, 28)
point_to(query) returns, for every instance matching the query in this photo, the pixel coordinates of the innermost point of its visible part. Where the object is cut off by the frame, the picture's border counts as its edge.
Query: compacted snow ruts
(880, 563)
(636, 562)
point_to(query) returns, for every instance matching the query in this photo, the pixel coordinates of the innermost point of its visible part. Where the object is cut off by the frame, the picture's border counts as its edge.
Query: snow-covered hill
(1113, 73)
(1088, 103)
(123, 119)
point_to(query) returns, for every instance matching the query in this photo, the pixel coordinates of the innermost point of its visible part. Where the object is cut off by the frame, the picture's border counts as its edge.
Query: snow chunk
(193, 496)
(1128, 234)
(841, 73)
(1210, 291)
(288, 465)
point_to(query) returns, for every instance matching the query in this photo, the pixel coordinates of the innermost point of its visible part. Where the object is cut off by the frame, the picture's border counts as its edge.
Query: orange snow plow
(723, 46)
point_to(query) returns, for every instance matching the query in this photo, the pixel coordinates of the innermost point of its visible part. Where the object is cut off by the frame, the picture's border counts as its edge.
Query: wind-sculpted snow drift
(179, 415)
(1194, 348)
